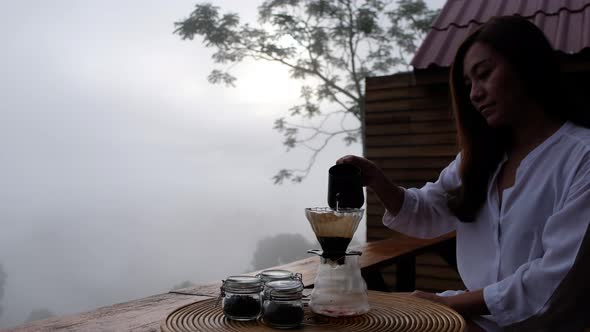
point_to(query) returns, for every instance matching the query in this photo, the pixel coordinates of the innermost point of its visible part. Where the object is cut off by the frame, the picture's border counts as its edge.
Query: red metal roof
(566, 24)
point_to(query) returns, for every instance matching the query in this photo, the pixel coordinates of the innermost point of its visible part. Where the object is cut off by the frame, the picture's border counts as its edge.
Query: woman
(518, 193)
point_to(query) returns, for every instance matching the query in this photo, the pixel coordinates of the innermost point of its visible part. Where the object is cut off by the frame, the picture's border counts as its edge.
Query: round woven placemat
(389, 312)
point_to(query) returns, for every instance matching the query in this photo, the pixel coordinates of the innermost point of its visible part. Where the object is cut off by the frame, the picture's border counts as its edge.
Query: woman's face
(494, 89)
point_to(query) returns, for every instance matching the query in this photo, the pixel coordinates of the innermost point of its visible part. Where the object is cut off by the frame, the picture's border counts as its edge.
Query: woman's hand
(432, 297)
(467, 304)
(390, 195)
(370, 172)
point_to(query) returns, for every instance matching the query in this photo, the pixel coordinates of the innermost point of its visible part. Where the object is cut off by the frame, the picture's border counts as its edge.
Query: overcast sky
(123, 172)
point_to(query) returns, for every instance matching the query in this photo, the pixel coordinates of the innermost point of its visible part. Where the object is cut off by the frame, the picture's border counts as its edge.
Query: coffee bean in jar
(282, 307)
(241, 297)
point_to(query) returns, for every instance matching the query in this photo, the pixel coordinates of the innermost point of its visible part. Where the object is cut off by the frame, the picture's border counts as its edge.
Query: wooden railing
(146, 314)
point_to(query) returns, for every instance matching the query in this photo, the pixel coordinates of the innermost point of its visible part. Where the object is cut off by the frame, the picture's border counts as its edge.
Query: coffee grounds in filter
(333, 224)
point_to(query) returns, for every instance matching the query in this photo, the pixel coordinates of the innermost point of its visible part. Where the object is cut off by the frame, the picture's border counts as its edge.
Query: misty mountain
(38, 314)
(280, 249)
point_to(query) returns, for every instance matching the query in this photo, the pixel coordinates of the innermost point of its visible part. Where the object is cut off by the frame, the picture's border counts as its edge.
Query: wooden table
(147, 313)
(388, 312)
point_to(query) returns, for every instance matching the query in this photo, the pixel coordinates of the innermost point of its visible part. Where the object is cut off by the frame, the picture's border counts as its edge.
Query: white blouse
(521, 250)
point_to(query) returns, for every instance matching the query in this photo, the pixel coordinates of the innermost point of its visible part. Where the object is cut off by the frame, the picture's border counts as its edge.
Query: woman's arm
(422, 212)
(468, 304)
(390, 195)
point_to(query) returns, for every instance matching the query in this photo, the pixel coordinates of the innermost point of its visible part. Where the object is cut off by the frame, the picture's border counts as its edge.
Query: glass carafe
(339, 289)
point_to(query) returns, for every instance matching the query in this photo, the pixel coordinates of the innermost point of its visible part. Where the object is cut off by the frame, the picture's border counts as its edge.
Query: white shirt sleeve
(532, 290)
(424, 212)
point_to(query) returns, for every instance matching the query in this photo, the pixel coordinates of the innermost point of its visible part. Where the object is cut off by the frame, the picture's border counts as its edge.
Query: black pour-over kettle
(345, 188)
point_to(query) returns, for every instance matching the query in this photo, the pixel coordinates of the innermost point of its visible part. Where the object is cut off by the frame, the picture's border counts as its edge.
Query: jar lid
(283, 289)
(272, 275)
(242, 284)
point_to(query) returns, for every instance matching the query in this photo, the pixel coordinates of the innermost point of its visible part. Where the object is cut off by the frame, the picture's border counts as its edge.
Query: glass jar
(273, 275)
(282, 306)
(339, 289)
(241, 297)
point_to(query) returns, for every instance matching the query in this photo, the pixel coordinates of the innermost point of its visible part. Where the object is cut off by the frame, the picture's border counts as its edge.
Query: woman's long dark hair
(536, 65)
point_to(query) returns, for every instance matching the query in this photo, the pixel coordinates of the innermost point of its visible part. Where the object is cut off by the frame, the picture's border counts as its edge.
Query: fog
(123, 171)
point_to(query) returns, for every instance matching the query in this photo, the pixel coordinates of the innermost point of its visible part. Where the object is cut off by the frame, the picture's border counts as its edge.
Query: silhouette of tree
(2, 282)
(280, 249)
(38, 314)
(184, 284)
(330, 45)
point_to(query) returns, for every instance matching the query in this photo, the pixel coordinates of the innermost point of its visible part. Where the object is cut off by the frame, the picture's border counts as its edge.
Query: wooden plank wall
(576, 82)
(411, 135)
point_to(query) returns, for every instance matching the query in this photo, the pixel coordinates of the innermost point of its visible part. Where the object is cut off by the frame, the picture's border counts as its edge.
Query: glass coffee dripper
(339, 289)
